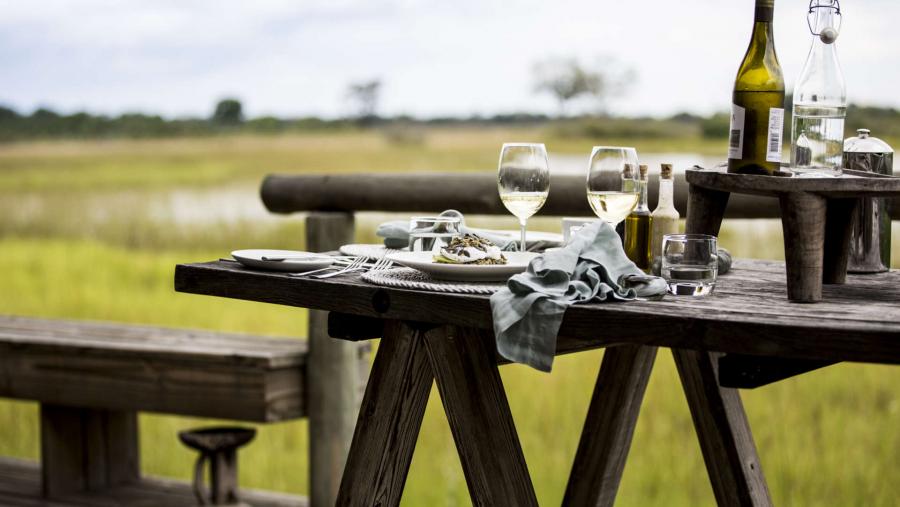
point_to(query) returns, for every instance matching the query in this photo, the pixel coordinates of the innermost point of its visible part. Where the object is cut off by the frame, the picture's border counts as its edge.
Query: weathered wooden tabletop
(747, 314)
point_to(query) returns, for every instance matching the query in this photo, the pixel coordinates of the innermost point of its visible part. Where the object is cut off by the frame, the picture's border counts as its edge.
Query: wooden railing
(474, 193)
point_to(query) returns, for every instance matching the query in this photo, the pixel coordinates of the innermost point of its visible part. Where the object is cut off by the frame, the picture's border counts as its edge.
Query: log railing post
(333, 376)
(86, 449)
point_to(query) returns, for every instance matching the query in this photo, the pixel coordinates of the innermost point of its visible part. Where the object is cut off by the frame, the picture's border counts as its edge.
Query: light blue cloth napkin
(396, 233)
(593, 267)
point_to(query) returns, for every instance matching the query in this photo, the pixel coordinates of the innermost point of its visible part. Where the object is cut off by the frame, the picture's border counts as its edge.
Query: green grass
(826, 438)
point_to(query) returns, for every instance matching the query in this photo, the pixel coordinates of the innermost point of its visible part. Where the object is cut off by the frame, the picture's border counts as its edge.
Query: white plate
(306, 261)
(373, 251)
(534, 236)
(424, 262)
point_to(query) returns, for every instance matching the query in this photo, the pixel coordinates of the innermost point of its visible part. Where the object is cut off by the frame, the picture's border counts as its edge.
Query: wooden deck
(20, 486)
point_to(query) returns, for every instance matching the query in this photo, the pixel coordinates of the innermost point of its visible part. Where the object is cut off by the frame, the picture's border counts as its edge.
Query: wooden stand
(816, 217)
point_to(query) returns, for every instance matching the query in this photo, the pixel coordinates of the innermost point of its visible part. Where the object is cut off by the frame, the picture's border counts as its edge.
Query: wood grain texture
(749, 372)
(87, 450)
(723, 431)
(20, 486)
(389, 420)
(609, 426)
(333, 376)
(473, 192)
(136, 368)
(706, 208)
(839, 219)
(803, 223)
(850, 184)
(465, 370)
(747, 313)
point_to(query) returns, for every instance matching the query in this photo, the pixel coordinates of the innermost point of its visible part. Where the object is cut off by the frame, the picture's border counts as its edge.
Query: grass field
(827, 438)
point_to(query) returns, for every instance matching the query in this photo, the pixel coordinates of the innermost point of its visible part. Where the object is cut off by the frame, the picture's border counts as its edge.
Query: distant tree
(8, 114)
(364, 96)
(228, 112)
(566, 79)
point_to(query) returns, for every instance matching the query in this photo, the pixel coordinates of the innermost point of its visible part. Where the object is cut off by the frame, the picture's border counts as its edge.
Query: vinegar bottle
(637, 228)
(665, 217)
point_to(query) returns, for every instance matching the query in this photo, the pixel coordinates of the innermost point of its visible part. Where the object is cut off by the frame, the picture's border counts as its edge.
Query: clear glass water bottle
(820, 97)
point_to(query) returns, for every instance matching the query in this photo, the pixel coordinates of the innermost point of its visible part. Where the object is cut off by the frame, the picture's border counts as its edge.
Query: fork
(382, 264)
(357, 265)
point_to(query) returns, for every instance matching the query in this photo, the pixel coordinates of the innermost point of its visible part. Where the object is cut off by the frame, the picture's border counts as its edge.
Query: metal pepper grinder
(870, 241)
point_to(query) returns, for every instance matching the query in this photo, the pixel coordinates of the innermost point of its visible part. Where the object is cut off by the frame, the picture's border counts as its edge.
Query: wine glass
(523, 180)
(612, 189)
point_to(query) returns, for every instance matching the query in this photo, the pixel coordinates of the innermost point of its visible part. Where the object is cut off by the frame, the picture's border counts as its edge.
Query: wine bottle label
(736, 133)
(776, 128)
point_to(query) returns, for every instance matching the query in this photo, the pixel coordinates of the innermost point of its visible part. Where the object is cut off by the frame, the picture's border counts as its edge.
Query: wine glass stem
(522, 224)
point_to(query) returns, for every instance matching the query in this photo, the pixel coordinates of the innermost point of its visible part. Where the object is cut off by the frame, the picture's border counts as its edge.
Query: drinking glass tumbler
(690, 264)
(430, 234)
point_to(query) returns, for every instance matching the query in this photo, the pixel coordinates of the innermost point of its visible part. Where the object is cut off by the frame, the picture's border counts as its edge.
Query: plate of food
(467, 258)
(282, 260)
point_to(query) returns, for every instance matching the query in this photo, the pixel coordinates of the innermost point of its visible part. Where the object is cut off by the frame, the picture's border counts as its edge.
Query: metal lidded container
(870, 241)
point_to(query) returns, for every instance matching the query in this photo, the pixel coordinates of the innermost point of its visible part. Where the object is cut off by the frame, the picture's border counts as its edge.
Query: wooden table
(745, 335)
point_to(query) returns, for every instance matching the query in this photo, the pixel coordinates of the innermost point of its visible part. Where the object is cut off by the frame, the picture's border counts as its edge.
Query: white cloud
(462, 57)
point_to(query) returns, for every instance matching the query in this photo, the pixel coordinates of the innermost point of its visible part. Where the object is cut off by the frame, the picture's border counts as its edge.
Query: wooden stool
(816, 217)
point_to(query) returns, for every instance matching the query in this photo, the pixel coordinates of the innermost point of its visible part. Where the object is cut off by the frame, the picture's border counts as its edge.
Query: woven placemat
(407, 278)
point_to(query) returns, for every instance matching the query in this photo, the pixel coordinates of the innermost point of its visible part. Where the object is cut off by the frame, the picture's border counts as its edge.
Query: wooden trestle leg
(609, 426)
(718, 414)
(389, 420)
(724, 433)
(465, 368)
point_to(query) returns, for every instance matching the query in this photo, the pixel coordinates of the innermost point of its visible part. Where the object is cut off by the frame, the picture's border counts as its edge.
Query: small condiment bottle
(665, 216)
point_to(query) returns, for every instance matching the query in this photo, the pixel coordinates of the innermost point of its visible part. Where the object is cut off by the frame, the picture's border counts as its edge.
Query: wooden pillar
(333, 376)
(839, 222)
(705, 210)
(803, 223)
(87, 450)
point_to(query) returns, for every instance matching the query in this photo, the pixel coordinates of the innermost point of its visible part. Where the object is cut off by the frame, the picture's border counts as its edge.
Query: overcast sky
(455, 57)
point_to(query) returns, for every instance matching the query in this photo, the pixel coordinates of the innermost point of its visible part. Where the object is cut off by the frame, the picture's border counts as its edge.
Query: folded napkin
(593, 267)
(396, 233)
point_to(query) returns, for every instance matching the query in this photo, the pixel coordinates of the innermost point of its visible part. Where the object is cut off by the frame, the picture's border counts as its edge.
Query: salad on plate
(470, 249)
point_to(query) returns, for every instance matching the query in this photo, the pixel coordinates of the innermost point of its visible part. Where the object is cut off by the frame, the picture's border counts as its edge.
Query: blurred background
(134, 135)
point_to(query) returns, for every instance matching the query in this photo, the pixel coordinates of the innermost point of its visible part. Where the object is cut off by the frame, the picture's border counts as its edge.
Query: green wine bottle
(757, 114)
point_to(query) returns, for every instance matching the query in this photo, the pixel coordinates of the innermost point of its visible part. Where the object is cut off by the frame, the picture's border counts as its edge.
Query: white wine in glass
(612, 189)
(523, 180)
(612, 207)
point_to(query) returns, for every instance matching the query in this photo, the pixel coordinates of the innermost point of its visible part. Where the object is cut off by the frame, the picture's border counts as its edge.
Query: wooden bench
(91, 379)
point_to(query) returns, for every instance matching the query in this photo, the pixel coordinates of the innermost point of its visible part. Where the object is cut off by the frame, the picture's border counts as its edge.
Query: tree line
(567, 80)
